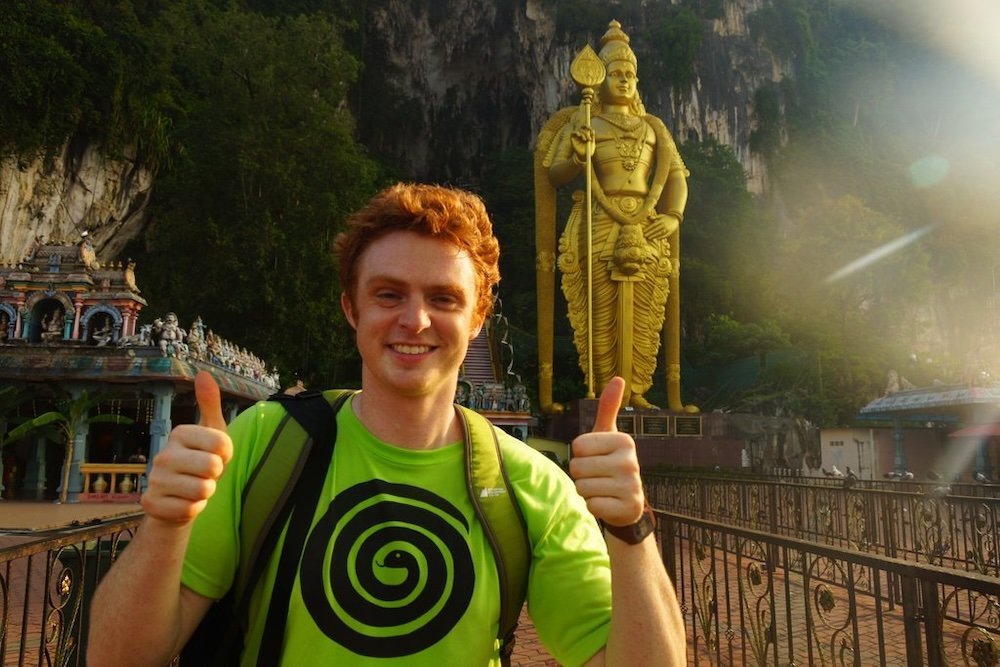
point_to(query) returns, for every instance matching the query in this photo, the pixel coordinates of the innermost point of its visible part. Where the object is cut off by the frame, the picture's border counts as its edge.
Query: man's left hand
(605, 466)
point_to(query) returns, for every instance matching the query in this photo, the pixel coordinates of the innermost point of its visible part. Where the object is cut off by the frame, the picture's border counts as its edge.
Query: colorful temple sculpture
(69, 321)
(487, 385)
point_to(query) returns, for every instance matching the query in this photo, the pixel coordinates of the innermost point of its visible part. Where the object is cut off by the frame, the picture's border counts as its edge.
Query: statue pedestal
(580, 414)
(662, 437)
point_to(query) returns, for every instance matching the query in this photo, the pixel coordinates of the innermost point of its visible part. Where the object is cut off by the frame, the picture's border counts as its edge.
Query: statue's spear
(588, 73)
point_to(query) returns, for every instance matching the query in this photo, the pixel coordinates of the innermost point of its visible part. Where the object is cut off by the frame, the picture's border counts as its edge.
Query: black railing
(751, 598)
(956, 526)
(45, 589)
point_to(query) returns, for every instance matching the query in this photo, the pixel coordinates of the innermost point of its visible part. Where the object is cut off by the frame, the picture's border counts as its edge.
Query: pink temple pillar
(18, 323)
(78, 306)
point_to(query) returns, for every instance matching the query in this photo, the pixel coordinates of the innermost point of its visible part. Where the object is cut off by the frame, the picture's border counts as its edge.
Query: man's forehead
(405, 239)
(389, 255)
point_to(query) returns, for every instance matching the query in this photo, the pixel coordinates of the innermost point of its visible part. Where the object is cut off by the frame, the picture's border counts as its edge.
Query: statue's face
(620, 82)
(171, 318)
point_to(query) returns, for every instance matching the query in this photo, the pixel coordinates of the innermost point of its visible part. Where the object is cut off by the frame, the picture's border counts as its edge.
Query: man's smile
(411, 349)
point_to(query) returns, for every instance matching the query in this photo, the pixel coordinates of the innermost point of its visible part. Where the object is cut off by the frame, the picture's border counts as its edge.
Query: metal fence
(753, 598)
(955, 526)
(749, 596)
(45, 589)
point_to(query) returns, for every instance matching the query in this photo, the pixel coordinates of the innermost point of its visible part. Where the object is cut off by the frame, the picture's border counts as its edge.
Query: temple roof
(120, 367)
(943, 399)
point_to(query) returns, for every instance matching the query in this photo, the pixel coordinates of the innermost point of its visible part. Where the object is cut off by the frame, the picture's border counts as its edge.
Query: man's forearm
(647, 627)
(135, 616)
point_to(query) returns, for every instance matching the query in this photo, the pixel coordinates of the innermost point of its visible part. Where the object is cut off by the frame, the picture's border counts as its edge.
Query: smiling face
(414, 313)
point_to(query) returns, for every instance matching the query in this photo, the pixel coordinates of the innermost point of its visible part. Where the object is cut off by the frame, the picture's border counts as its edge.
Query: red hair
(456, 216)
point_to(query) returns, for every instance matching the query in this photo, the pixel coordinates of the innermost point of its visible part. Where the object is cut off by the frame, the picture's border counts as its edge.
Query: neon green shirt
(396, 569)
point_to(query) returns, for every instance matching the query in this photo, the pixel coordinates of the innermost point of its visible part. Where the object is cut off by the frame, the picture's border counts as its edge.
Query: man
(418, 265)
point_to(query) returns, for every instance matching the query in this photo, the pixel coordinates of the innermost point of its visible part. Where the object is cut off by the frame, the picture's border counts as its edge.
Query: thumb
(607, 408)
(206, 391)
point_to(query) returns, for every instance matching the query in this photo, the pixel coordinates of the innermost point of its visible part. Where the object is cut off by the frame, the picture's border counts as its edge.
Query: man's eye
(387, 296)
(445, 300)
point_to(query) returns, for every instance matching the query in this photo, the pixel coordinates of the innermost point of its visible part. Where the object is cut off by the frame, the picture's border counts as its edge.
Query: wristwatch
(636, 532)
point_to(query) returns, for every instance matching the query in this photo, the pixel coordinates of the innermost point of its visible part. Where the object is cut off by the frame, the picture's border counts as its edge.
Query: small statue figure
(130, 277)
(102, 334)
(171, 336)
(52, 326)
(521, 395)
(87, 255)
(197, 346)
(4, 324)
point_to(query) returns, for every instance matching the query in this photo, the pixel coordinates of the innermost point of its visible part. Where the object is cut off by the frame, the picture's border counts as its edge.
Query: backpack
(290, 475)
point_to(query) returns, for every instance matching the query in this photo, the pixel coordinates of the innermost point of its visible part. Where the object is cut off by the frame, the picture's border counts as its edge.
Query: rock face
(448, 83)
(78, 190)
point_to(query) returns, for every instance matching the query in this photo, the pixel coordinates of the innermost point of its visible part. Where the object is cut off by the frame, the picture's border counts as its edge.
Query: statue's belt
(627, 204)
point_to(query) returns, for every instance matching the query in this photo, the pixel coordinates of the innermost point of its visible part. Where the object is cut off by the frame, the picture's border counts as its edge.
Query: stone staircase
(478, 365)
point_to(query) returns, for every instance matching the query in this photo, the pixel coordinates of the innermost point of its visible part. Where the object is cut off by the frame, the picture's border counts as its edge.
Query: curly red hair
(456, 216)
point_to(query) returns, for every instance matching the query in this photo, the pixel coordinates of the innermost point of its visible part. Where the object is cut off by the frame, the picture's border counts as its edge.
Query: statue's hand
(660, 226)
(580, 140)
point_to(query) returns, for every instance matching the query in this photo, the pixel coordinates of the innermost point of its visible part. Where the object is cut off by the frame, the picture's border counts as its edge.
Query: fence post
(932, 623)
(668, 552)
(912, 618)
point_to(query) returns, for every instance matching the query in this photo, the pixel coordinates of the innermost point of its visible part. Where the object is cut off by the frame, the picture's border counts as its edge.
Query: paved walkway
(35, 517)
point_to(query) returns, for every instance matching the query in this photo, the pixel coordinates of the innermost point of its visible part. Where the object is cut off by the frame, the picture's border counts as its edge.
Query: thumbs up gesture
(184, 473)
(605, 466)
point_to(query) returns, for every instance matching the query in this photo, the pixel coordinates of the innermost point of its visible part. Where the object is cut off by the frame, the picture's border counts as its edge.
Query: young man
(418, 265)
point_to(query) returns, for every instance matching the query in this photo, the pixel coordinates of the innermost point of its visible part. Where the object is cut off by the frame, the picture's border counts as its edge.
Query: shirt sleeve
(569, 583)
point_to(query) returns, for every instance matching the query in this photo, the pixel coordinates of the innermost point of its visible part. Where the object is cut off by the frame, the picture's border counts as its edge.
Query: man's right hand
(184, 473)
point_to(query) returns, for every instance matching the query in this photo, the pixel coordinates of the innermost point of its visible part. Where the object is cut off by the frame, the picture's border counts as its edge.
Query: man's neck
(425, 422)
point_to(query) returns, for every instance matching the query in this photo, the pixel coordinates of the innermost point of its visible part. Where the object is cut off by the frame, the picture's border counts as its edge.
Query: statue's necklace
(630, 145)
(623, 121)
(629, 148)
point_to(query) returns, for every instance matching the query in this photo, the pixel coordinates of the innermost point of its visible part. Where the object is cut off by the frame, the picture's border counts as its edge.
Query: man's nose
(415, 315)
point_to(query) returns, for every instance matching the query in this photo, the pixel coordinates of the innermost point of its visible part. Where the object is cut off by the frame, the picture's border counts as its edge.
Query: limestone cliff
(79, 190)
(447, 83)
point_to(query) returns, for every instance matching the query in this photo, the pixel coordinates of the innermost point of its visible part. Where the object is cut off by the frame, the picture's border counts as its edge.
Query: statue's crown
(614, 45)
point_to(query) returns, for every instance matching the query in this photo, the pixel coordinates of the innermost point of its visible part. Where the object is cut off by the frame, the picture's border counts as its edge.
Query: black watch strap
(638, 531)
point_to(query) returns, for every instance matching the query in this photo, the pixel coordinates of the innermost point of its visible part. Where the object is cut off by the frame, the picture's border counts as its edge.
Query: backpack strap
(274, 488)
(501, 518)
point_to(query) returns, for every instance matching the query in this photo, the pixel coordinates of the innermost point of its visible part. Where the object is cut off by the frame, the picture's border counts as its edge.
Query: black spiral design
(411, 564)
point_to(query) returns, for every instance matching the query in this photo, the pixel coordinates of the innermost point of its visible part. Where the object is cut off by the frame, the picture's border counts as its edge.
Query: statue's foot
(640, 403)
(692, 409)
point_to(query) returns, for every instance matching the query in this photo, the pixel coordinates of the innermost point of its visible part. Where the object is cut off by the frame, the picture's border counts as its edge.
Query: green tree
(72, 414)
(268, 169)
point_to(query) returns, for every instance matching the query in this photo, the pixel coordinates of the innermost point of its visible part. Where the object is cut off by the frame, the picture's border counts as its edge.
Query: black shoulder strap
(321, 425)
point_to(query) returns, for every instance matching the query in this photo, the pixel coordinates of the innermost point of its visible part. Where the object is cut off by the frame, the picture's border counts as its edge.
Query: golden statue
(627, 224)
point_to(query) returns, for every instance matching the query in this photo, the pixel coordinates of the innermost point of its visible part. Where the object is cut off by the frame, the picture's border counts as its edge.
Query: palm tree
(69, 417)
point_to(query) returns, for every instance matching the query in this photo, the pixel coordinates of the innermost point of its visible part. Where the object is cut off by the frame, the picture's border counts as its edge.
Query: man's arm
(141, 614)
(647, 627)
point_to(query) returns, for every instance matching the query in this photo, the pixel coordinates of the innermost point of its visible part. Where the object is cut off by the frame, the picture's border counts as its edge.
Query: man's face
(414, 315)
(620, 83)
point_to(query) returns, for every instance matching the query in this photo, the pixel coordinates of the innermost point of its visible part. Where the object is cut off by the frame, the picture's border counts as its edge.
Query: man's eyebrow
(380, 279)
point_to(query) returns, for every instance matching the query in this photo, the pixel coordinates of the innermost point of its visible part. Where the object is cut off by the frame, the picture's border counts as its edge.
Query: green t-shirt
(396, 569)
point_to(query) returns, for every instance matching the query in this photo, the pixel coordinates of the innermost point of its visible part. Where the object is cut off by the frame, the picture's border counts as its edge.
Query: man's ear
(345, 305)
(477, 326)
